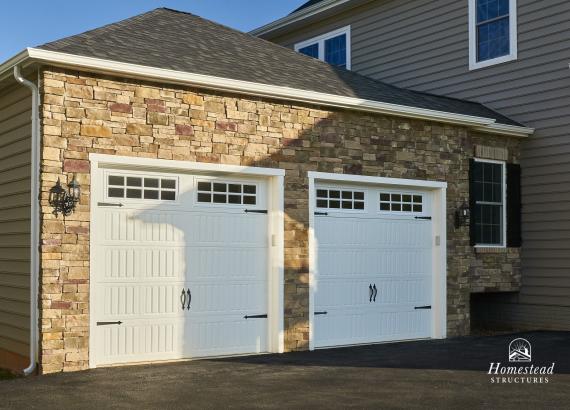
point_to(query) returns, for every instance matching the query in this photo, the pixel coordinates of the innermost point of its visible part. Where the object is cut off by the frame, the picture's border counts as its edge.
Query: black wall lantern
(462, 215)
(62, 201)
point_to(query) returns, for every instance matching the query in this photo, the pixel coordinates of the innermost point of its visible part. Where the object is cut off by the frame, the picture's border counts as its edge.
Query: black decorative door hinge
(320, 313)
(425, 218)
(107, 204)
(422, 307)
(255, 316)
(109, 323)
(255, 211)
(321, 214)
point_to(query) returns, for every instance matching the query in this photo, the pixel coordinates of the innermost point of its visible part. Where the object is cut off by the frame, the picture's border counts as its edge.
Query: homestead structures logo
(520, 351)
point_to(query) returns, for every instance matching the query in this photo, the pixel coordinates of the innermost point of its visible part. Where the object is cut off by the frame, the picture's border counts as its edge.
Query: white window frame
(320, 40)
(330, 187)
(513, 55)
(142, 175)
(424, 211)
(259, 193)
(503, 243)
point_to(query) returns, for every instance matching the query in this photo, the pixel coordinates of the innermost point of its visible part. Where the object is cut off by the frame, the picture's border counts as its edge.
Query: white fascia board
(261, 90)
(363, 179)
(300, 15)
(114, 160)
(513, 130)
(7, 67)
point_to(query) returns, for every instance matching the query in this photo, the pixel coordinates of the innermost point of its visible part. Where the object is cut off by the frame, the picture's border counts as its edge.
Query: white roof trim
(258, 89)
(299, 15)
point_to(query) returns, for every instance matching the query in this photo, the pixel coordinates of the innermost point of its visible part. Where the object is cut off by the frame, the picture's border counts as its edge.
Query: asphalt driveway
(426, 374)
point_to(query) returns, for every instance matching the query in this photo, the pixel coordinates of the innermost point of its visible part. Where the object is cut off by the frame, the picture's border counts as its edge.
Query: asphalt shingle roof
(169, 39)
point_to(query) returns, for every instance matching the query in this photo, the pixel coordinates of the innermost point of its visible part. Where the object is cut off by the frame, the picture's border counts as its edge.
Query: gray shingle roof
(174, 40)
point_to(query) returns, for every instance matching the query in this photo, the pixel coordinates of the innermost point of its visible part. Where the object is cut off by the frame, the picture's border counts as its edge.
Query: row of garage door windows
(165, 189)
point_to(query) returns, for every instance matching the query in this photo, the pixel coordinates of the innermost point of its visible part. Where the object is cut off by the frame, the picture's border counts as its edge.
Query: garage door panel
(140, 301)
(403, 292)
(140, 341)
(225, 335)
(342, 294)
(140, 226)
(225, 229)
(143, 263)
(145, 253)
(229, 298)
(222, 263)
(389, 250)
(346, 327)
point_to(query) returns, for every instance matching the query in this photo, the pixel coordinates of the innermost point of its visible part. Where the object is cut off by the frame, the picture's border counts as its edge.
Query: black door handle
(370, 293)
(375, 292)
(189, 298)
(183, 298)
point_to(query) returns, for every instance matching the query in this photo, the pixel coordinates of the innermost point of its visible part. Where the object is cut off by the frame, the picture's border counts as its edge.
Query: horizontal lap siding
(423, 45)
(15, 155)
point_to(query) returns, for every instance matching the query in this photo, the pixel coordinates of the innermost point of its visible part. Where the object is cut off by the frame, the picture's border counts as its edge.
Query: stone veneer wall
(84, 113)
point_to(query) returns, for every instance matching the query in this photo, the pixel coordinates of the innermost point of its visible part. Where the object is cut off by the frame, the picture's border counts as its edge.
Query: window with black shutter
(488, 202)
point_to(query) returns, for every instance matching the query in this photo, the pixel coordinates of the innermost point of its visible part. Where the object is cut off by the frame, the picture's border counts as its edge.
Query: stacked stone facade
(88, 113)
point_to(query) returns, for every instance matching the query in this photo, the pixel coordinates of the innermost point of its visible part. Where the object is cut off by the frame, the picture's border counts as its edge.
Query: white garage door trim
(438, 191)
(275, 183)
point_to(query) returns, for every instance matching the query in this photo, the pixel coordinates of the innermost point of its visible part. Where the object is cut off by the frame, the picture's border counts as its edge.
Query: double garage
(188, 260)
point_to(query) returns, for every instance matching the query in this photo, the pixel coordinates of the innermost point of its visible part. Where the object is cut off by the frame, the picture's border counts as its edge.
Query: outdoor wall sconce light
(62, 201)
(462, 215)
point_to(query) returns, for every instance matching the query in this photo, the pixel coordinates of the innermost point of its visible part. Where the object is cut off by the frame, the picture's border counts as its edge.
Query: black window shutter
(514, 239)
(472, 238)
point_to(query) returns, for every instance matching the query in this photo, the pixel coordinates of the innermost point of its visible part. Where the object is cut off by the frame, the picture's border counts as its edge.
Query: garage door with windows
(373, 268)
(179, 266)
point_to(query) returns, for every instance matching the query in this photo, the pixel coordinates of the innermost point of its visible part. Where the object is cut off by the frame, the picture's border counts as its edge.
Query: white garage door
(373, 275)
(180, 267)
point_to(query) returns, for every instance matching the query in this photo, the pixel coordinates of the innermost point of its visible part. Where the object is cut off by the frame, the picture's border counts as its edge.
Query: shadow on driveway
(414, 375)
(462, 353)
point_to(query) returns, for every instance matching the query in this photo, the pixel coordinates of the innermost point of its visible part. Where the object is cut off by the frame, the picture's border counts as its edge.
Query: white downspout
(34, 220)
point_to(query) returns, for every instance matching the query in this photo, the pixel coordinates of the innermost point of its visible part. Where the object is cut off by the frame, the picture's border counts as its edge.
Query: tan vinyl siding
(423, 45)
(15, 155)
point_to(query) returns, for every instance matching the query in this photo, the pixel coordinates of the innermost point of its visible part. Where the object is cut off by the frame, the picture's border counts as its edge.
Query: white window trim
(142, 175)
(513, 55)
(321, 41)
(503, 243)
(341, 188)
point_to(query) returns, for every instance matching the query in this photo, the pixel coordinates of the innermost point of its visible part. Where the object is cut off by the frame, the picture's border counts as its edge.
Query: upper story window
(333, 47)
(492, 32)
(489, 199)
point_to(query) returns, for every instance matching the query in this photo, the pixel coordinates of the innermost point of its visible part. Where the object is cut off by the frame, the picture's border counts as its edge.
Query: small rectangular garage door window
(401, 202)
(214, 192)
(340, 199)
(135, 187)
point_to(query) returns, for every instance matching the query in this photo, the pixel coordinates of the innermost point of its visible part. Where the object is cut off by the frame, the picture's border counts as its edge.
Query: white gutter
(34, 219)
(299, 15)
(264, 90)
